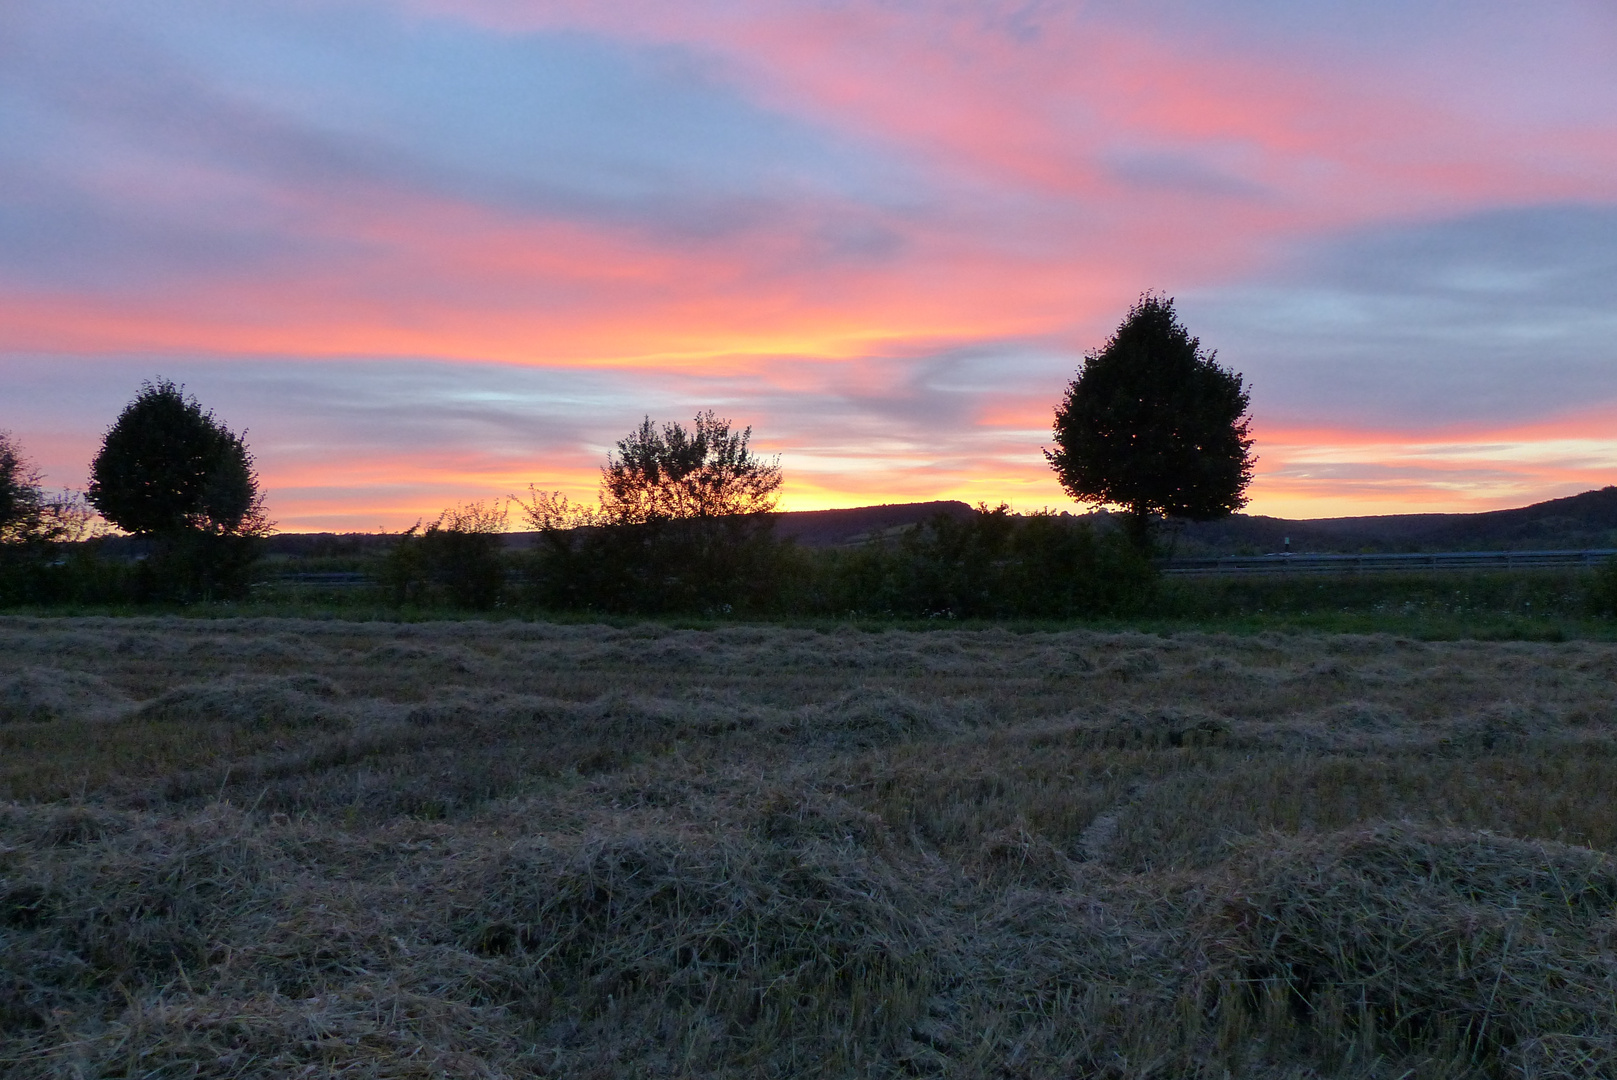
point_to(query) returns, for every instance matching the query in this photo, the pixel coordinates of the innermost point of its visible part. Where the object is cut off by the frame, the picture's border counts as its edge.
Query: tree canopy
(671, 473)
(167, 467)
(28, 516)
(21, 499)
(1154, 425)
(681, 522)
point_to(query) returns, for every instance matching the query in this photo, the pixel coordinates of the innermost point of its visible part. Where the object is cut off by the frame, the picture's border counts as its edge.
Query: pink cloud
(1046, 179)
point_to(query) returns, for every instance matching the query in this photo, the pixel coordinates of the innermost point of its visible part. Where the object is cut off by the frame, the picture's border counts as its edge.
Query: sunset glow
(428, 252)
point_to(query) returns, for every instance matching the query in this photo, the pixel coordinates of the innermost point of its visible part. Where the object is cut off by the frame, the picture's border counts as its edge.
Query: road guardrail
(1288, 563)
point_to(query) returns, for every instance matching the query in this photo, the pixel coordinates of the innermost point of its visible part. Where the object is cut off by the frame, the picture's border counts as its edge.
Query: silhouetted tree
(708, 471)
(682, 523)
(33, 528)
(170, 472)
(22, 501)
(28, 516)
(1152, 424)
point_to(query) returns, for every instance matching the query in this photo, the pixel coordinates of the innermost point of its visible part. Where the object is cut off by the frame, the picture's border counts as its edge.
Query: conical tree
(1154, 425)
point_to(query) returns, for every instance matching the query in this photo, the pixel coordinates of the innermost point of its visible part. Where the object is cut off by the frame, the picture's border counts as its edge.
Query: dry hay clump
(1501, 727)
(616, 719)
(1171, 726)
(258, 647)
(1357, 717)
(49, 826)
(1019, 856)
(874, 716)
(40, 694)
(1134, 664)
(703, 950)
(790, 817)
(1125, 727)
(631, 716)
(1397, 939)
(194, 947)
(271, 701)
(452, 659)
(106, 906)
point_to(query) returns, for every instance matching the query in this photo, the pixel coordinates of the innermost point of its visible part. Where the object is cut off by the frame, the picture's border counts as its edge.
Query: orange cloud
(1302, 473)
(1320, 472)
(1031, 181)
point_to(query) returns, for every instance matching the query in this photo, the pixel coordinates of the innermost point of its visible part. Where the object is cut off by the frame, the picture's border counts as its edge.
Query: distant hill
(810, 528)
(860, 524)
(1588, 520)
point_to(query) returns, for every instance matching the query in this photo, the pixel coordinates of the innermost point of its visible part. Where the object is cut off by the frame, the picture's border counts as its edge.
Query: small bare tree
(668, 474)
(28, 516)
(682, 521)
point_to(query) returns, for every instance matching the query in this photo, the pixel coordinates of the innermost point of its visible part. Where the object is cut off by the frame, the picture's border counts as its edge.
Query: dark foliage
(668, 474)
(170, 473)
(459, 558)
(987, 566)
(168, 467)
(711, 565)
(1154, 425)
(34, 529)
(30, 520)
(72, 573)
(1602, 590)
(683, 525)
(21, 499)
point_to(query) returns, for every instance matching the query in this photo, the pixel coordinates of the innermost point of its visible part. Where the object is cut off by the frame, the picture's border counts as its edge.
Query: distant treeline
(684, 523)
(989, 564)
(985, 564)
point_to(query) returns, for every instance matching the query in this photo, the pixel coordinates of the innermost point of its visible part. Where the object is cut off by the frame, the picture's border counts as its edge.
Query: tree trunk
(1140, 527)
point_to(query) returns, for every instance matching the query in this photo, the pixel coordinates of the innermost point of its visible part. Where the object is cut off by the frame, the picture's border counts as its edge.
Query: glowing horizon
(429, 252)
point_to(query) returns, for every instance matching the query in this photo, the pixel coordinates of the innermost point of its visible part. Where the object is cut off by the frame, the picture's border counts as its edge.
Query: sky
(429, 251)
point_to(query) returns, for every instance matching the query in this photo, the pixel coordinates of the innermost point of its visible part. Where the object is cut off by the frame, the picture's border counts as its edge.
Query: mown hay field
(266, 848)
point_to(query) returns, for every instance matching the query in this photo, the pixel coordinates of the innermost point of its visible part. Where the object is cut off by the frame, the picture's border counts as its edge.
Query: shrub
(460, 558)
(683, 523)
(34, 528)
(1602, 595)
(713, 565)
(991, 565)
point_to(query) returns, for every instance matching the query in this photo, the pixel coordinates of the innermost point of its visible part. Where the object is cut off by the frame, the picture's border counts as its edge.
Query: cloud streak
(403, 239)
